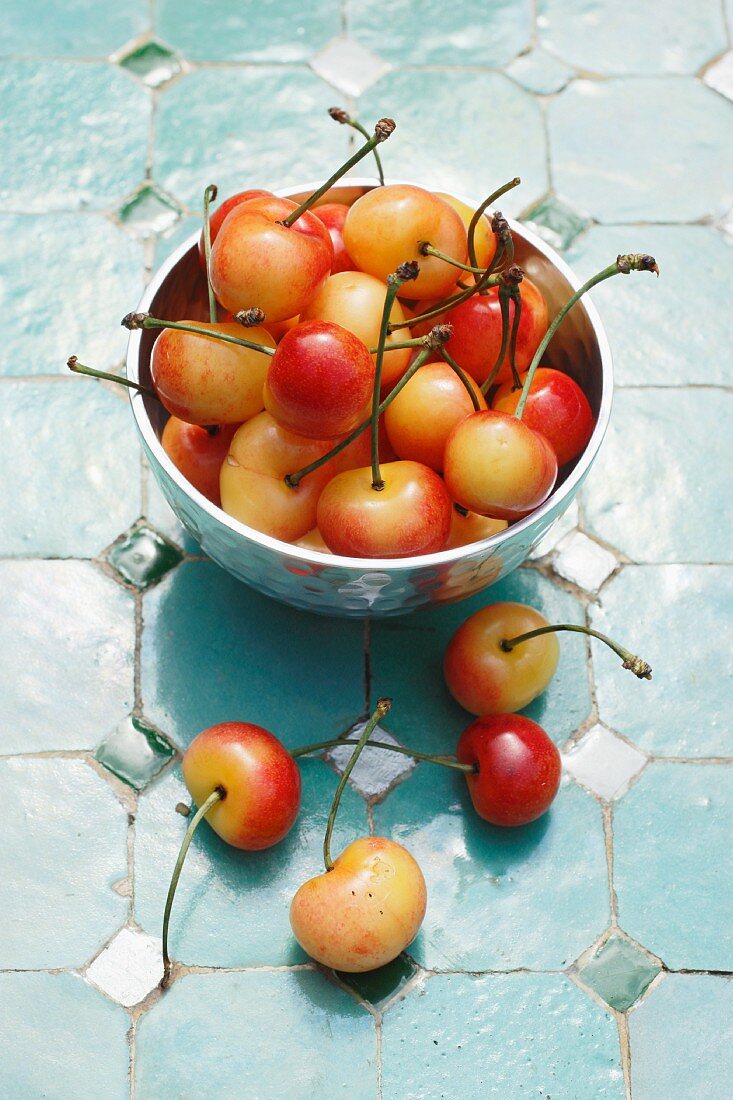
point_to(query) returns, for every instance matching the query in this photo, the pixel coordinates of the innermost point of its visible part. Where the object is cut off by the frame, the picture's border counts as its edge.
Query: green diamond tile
(555, 222)
(143, 557)
(378, 986)
(148, 212)
(152, 63)
(619, 973)
(134, 752)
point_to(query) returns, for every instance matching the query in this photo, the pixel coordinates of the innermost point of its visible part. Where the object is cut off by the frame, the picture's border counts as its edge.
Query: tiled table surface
(586, 956)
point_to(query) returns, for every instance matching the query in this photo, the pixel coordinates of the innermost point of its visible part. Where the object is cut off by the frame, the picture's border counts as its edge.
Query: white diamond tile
(351, 68)
(376, 769)
(582, 561)
(565, 523)
(129, 968)
(603, 762)
(720, 76)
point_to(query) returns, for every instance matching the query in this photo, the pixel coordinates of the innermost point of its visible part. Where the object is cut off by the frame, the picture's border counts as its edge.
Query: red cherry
(216, 217)
(518, 768)
(557, 407)
(320, 380)
(333, 216)
(197, 453)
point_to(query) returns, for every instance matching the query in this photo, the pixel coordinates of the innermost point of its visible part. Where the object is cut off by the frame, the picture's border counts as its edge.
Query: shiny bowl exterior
(353, 587)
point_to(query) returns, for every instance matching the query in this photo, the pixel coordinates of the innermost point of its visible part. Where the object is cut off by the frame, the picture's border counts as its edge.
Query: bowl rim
(371, 565)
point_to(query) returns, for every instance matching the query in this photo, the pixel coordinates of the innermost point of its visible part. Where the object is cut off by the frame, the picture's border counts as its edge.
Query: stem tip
(134, 320)
(639, 667)
(338, 114)
(637, 261)
(384, 128)
(250, 317)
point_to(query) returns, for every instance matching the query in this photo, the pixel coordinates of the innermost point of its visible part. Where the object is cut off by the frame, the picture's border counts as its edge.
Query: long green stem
(339, 115)
(78, 368)
(145, 321)
(382, 708)
(209, 195)
(515, 295)
(488, 382)
(215, 796)
(426, 249)
(382, 131)
(404, 273)
(637, 665)
(480, 210)
(488, 279)
(463, 377)
(319, 746)
(622, 266)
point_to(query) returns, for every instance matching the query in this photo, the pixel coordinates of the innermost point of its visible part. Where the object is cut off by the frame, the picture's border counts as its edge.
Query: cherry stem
(516, 296)
(463, 377)
(382, 131)
(638, 666)
(78, 368)
(383, 706)
(319, 746)
(209, 195)
(339, 115)
(403, 274)
(622, 266)
(426, 249)
(488, 279)
(504, 307)
(480, 210)
(430, 344)
(145, 321)
(216, 795)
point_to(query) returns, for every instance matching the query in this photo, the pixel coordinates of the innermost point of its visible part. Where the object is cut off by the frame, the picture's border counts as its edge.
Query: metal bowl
(357, 587)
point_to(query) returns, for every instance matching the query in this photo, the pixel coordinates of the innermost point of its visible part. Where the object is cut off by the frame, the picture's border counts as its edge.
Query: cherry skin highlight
(216, 217)
(365, 910)
(556, 407)
(197, 453)
(257, 261)
(486, 679)
(320, 380)
(410, 515)
(259, 778)
(519, 768)
(207, 381)
(498, 466)
(333, 216)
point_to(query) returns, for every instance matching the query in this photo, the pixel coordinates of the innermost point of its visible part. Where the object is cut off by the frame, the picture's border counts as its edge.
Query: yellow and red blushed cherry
(486, 679)
(251, 481)
(198, 453)
(217, 216)
(257, 260)
(556, 407)
(498, 466)
(320, 380)
(410, 514)
(469, 527)
(484, 240)
(365, 910)
(518, 768)
(205, 381)
(333, 216)
(355, 301)
(386, 227)
(422, 416)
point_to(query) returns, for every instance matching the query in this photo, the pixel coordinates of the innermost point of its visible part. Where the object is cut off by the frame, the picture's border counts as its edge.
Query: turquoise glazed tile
(681, 1039)
(502, 1036)
(152, 63)
(81, 28)
(143, 557)
(619, 973)
(680, 623)
(319, 1041)
(657, 337)
(671, 841)
(642, 150)
(655, 493)
(555, 222)
(148, 212)
(68, 638)
(134, 752)
(169, 240)
(61, 1039)
(499, 899)
(540, 72)
(406, 33)
(380, 985)
(65, 845)
(407, 662)
(452, 105)
(232, 907)
(89, 155)
(86, 490)
(279, 134)
(226, 30)
(66, 280)
(631, 37)
(207, 658)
